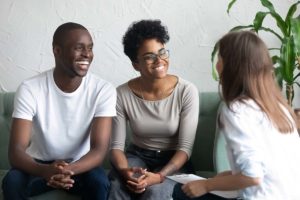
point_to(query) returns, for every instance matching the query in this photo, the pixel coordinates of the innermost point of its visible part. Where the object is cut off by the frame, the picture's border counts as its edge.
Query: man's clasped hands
(59, 176)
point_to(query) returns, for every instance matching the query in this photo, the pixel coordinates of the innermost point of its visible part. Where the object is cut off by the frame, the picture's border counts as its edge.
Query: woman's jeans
(18, 185)
(153, 161)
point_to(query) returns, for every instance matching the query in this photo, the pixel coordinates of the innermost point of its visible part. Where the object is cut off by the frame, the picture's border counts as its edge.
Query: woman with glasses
(162, 112)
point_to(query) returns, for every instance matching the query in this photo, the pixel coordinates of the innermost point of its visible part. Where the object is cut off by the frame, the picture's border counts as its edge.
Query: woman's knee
(158, 191)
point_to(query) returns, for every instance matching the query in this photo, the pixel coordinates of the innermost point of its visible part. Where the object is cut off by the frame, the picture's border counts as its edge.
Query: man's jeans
(18, 185)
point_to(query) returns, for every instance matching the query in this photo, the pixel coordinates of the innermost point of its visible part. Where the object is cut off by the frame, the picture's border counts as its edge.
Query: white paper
(185, 178)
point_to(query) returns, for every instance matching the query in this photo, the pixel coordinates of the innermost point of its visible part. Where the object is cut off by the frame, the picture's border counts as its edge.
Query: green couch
(208, 157)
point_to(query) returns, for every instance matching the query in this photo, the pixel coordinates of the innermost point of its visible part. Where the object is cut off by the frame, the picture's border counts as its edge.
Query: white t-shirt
(257, 149)
(62, 121)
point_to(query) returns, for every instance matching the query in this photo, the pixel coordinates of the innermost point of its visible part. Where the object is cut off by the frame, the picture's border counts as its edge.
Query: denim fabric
(18, 185)
(153, 161)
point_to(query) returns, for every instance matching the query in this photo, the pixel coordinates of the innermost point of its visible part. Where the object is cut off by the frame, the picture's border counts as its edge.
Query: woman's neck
(156, 89)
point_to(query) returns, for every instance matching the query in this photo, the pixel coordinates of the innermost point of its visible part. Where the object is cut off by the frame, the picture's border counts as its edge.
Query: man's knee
(97, 178)
(14, 179)
(14, 184)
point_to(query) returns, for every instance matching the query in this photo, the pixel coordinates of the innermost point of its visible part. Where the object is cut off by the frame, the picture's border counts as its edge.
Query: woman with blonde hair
(259, 126)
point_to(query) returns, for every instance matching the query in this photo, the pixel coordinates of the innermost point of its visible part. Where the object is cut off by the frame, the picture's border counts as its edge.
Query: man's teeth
(82, 62)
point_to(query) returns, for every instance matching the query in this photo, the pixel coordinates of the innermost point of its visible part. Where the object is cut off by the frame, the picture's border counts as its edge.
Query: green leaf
(275, 59)
(213, 59)
(287, 57)
(230, 5)
(268, 5)
(237, 28)
(271, 49)
(258, 20)
(279, 21)
(290, 14)
(297, 84)
(295, 32)
(271, 31)
(278, 76)
(296, 77)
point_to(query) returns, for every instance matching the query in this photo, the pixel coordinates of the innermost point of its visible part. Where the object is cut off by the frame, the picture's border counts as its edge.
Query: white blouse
(257, 149)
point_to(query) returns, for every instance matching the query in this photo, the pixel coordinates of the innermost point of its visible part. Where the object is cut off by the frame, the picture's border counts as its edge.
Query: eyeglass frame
(155, 57)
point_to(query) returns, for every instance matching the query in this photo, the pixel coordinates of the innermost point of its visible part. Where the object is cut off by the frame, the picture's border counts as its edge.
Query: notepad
(185, 178)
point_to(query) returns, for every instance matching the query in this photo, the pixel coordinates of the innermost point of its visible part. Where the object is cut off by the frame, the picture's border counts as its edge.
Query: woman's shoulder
(123, 86)
(242, 108)
(127, 89)
(187, 86)
(123, 89)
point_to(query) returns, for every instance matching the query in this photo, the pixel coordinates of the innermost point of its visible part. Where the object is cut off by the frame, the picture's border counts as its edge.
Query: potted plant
(287, 60)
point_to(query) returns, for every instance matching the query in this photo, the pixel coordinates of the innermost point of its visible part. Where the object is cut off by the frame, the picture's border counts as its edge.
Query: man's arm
(100, 134)
(19, 159)
(222, 183)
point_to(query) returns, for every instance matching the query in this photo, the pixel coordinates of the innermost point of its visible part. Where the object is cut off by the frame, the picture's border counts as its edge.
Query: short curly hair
(140, 31)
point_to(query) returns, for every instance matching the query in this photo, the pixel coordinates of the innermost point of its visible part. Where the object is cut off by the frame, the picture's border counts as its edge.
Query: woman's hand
(134, 178)
(195, 188)
(152, 178)
(132, 173)
(145, 180)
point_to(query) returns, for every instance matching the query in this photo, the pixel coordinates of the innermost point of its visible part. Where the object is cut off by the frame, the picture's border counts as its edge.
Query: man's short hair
(62, 30)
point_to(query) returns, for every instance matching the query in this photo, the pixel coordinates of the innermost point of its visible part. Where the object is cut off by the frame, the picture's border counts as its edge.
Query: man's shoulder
(97, 80)
(37, 78)
(37, 81)
(99, 85)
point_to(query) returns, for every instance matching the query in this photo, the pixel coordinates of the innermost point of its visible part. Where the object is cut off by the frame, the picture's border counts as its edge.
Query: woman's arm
(186, 133)
(176, 162)
(221, 183)
(120, 162)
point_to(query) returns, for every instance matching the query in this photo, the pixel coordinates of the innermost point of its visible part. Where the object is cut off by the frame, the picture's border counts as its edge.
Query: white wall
(27, 26)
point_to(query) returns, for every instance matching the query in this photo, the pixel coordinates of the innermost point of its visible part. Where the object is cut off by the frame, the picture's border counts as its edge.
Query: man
(61, 124)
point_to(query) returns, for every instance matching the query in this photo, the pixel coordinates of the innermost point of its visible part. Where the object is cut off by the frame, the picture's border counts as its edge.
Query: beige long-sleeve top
(167, 124)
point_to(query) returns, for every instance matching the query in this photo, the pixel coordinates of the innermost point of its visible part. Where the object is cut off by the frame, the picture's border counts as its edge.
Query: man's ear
(56, 50)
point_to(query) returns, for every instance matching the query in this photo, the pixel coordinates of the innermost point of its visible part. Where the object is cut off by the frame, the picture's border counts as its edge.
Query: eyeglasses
(151, 58)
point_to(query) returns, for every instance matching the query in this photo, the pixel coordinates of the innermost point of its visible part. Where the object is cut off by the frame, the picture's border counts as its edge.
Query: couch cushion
(6, 109)
(220, 159)
(202, 154)
(57, 195)
(2, 174)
